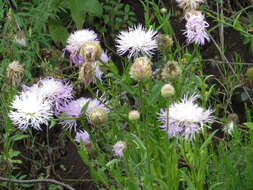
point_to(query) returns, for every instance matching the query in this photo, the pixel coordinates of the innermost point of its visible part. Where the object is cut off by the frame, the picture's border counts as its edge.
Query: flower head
(185, 118)
(53, 90)
(73, 109)
(91, 51)
(133, 115)
(118, 148)
(167, 91)
(15, 72)
(171, 71)
(141, 69)
(189, 4)
(97, 111)
(84, 135)
(29, 109)
(20, 38)
(90, 72)
(76, 41)
(196, 28)
(136, 41)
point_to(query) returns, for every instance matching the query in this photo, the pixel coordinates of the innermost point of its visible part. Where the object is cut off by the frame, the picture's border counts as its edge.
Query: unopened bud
(171, 71)
(97, 116)
(141, 69)
(91, 51)
(87, 73)
(133, 115)
(164, 42)
(167, 91)
(163, 10)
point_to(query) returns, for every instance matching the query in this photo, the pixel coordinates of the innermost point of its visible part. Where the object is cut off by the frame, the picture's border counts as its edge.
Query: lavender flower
(73, 109)
(136, 41)
(30, 109)
(185, 118)
(84, 135)
(76, 41)
(118, 148)
(196, 28)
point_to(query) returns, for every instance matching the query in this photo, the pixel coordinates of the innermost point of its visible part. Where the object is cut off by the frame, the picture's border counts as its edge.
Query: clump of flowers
(76, 41)
(73, 110)
(118, 148)
(136, 41)
(15, 72)
(141, 69)
(30, 109)
(196, 28)
(171, 71)
(185, 118)
(189, 4)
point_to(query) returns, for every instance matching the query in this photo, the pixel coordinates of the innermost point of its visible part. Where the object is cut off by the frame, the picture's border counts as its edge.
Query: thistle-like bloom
(15, 72)
(90, 72)
(73, 110)
(53, 90)
(185, 118)
(97, 110)
(171, 71)
(76, 41)
(118, 148)
(189, 4)
(91, 51)
(196, 28)
(137, 41)
(29, 109)
(141, 69)
(84, 135)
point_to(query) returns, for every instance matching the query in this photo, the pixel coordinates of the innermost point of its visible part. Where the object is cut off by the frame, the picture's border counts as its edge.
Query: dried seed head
(141, 69)
(164, 42)
(87, 73)
(15, 72)
(171, 71)
(20, 38)
(167, 91)
(98, 116)
(133, 115)
(91, 51)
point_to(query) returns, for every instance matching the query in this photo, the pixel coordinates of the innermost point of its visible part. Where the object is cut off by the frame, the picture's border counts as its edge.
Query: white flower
(196, 28)
(137, 41)
(185, 118)
(30, 110)
(76, 41)
(189, 4)
(56, 91)
(118, 148)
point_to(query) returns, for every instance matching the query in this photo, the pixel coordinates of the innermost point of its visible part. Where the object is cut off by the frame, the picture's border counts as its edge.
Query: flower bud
(133, 115)
(97, 116)
(91, 51)
(250, 73)
(15, 72)
(164, 42)
(163, 10)
(167, 91)
(171, 71)
(87, 73)
(141, 69)
(118, 148)
(20, 38)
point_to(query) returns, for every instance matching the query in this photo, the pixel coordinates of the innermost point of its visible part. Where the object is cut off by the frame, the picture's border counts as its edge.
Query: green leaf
(154, 93)
(92, 7)
(58, 32)
(78, 14)
(249, 125)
